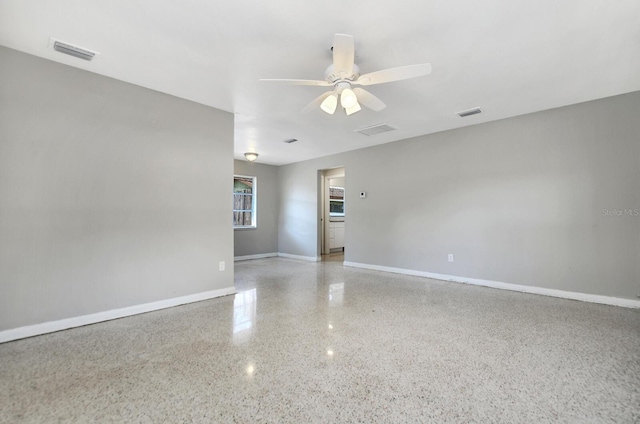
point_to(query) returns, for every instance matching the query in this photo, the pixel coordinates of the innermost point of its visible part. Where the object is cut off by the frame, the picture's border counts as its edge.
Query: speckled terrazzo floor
(315, 342)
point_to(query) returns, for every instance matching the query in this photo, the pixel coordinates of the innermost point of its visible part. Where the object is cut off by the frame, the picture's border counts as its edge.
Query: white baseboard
(258, 256)
(303, 258)
(64, 324)
(585, 297)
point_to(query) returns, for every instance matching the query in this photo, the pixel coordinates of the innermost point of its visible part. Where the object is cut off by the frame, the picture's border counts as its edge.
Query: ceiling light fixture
(330, 103)
(353, 109)
(348, 99)
(343, 73)
(251, 156)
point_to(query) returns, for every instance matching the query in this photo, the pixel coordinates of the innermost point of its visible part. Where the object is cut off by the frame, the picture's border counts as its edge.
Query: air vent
(469, 112)
(376, 129)
(73, 50)
(291, 140)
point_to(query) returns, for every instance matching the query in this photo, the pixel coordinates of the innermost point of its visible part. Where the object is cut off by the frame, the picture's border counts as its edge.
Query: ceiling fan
(343, 74)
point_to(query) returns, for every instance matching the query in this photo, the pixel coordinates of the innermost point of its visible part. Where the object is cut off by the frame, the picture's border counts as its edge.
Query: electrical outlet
(450, 257)
(221, 266)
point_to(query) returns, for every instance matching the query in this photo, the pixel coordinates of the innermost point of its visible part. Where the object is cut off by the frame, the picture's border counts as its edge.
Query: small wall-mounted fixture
(363, 195)
(251, 156)
(72, 50)
(469, 112)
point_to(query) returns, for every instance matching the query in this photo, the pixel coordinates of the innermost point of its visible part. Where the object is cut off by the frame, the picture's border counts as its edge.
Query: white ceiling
(507, 57)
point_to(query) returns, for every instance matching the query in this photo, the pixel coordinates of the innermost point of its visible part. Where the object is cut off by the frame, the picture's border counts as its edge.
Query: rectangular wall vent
(73, 50)
(376, 129)
(469, 112)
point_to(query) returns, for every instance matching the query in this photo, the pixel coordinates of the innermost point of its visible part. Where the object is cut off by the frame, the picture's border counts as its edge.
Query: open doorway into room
(333, 213)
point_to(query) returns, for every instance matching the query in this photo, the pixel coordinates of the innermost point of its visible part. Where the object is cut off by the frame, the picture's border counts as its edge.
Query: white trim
(585, 297)
(64, 324)
(258, 256)
(303, 258)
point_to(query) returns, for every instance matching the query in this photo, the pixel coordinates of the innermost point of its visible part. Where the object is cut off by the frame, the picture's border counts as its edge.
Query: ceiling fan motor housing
(341, 85)
(331, 76)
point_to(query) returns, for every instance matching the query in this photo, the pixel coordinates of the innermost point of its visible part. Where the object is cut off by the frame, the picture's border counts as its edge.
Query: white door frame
(324, 176)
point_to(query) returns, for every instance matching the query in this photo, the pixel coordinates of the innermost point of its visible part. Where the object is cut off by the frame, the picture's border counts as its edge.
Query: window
(336, 201)
(244, 202)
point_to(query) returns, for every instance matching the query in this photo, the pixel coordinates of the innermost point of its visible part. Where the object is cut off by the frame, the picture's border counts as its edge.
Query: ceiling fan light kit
(343, 73)
(353, 109)
(348, 98)
(330, 103)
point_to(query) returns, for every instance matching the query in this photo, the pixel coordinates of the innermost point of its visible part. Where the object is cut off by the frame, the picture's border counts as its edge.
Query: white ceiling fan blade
(300, 82)
(315, 104)
(369, 100)
(394, 74)
(343, 55)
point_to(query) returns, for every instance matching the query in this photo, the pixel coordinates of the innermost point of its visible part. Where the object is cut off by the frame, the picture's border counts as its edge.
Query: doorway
(333, 213)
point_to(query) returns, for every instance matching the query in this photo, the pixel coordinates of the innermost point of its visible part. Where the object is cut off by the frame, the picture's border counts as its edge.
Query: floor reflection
(244, 314)
(336, 294)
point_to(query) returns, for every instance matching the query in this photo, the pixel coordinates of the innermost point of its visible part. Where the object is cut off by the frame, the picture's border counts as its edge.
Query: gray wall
(299, 210)
(519, 200)
(264, 238)
(109, 193)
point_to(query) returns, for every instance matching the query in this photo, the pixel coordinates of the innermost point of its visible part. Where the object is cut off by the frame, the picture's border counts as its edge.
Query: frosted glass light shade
(348, 98)
(329, 104)
(251, 157)
(353, 109)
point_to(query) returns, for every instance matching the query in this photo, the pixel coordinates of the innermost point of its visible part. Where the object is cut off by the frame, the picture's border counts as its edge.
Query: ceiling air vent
(73, 50)
(376, 129)
(291, 140)
(469, 112)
